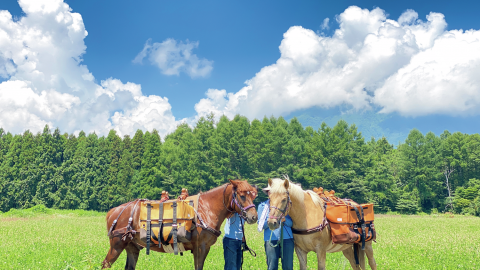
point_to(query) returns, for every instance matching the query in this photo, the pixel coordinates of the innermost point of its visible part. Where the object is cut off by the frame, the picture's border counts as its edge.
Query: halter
(284, 211)
(243, 211)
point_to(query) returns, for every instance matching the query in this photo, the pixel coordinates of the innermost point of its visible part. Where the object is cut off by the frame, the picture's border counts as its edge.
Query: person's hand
(283, 219)
(244, 246)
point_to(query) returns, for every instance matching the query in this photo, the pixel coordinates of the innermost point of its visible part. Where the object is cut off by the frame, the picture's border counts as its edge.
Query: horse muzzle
(273, 223)
(252, 217)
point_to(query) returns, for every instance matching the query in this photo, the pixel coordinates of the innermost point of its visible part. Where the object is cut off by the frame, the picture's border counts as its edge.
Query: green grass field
(54, 239)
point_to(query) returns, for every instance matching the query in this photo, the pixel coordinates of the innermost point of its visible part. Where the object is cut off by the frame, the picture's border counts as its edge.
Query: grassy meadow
(59, 239)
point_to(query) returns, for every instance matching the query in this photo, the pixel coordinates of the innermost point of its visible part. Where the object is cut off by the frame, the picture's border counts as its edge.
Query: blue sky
(228, 43)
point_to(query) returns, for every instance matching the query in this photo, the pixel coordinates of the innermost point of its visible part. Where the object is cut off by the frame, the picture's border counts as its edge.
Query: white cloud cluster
(325, 24)
(172, 58)
(45, 82)
(408, 66)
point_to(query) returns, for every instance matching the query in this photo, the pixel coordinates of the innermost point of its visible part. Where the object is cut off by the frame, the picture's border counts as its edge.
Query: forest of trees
(96, 173)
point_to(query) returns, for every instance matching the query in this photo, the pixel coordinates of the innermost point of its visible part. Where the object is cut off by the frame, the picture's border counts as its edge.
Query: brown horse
(307, 212)
(213, 207)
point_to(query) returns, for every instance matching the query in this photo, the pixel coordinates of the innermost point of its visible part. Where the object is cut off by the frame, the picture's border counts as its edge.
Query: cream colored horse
(306, 211)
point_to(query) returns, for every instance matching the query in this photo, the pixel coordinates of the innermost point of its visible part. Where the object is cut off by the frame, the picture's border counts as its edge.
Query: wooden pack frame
(167, 222)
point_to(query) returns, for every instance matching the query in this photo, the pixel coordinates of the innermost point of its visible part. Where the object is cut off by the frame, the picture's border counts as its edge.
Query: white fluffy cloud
(40, 58)
(172, 58)
(409, 66)
(325, 24)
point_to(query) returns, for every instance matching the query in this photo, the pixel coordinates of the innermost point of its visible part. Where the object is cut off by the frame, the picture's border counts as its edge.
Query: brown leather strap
(115, 221)
(207, 228)
(319, 228)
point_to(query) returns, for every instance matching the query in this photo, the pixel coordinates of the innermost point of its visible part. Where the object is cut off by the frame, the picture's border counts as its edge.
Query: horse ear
(233, 182)
(286, 183)
(270, 182)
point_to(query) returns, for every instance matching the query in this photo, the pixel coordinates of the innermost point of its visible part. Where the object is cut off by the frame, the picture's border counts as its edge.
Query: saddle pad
(169, 249)
(162, 218)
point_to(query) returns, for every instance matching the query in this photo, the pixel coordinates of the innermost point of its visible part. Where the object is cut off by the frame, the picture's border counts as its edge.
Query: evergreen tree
(150, 185)
(49, 160)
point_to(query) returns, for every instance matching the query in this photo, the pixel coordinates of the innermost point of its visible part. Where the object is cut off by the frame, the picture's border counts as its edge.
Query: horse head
(243, 195)
(280, 202)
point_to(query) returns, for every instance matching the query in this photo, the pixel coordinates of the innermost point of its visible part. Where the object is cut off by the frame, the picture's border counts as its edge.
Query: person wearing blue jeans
(232, 242)
(273, 253)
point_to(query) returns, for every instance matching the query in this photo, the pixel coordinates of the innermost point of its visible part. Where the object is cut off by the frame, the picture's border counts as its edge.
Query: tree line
(426, 173)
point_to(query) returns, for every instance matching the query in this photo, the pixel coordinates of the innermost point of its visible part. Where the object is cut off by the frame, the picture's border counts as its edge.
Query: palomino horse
(307, 212)
(213, 207)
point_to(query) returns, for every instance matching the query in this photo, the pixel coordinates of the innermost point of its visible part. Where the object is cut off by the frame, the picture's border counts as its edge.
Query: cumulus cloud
(173, 57)
(325, 24)
(410, 66)
(45, 82)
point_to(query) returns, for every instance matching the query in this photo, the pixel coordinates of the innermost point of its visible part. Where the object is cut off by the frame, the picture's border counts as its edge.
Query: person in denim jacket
(232, 242)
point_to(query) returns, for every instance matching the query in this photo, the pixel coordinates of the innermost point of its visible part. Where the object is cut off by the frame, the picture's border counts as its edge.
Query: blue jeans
(232, 253)
(273, 254)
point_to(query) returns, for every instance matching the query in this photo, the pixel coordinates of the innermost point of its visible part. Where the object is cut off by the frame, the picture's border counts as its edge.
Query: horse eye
(243, 197)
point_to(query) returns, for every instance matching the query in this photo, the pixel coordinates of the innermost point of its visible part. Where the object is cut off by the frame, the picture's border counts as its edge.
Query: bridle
(284, 211)
(243, 210)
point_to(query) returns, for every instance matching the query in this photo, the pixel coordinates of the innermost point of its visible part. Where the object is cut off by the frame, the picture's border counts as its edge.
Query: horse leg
(132, 256)
(302, 257)
(361, 258)
(369, 252)
(200, 253)
(348, 253)
(321, 258)
(116, 248)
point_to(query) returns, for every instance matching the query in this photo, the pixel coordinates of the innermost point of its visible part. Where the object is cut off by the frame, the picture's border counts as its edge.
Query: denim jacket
(287, 225)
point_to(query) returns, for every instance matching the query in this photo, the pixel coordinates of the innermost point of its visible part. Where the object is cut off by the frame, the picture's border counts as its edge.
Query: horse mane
(295, 190)
(242, 186)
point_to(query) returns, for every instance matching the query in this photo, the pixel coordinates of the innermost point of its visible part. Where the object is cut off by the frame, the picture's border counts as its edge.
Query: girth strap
(160, 223)
(319, 228)
(149, 229)
(174, 228)
(355, 252)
